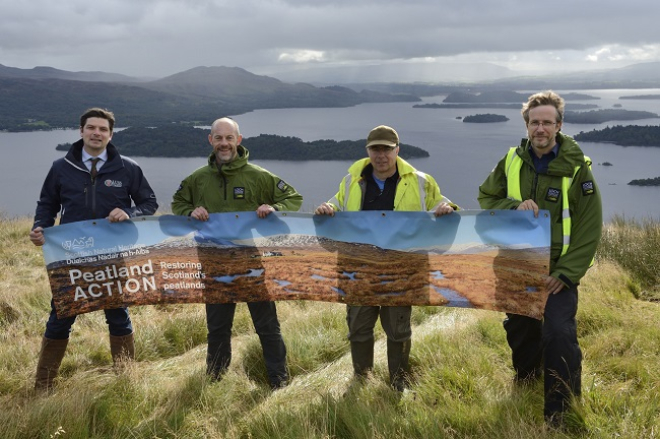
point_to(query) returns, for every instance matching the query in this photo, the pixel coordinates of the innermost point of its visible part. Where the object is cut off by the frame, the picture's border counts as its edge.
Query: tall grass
(635, 246)
(460, 361)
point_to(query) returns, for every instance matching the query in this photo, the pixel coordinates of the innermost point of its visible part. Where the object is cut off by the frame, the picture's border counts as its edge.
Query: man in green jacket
(384, 181)
(549, 171)
(228, 183)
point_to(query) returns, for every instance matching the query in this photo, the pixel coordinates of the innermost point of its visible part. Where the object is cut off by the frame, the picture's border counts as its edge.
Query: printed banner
(495, 260)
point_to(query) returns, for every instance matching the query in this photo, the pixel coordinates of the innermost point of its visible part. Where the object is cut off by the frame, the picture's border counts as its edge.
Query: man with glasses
(549, 171)
(384, 181)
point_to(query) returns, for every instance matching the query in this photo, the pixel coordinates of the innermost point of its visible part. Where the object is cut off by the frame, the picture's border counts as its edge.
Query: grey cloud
(159, 37)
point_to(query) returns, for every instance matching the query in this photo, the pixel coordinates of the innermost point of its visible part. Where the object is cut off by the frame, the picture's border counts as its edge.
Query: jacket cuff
(562, 277)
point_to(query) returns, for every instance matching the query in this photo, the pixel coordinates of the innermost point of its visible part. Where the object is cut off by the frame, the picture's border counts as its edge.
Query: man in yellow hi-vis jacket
(384, 181)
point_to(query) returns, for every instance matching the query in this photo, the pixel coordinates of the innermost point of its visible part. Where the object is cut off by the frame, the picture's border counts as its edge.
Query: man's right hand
(325, 209)
(37, 236)
(529, 205)
(200, 213)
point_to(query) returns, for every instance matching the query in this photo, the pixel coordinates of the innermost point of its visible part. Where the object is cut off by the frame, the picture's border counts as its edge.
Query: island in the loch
(494, 96)
(507, 99)
(630, 135)
(645, 97)
(646, 182)
(606, 115)
(183, 141)
(485, 118)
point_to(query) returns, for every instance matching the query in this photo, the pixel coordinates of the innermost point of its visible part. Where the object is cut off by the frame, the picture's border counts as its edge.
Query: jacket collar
(402, 166)
(569, 156)
(242, 156)
(74, 156)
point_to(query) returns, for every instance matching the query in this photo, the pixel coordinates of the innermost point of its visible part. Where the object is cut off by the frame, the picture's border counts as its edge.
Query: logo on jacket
(78, 244)
(552, 195)
(239, 193)
(113, 183)
(281, 185)
(588, 188)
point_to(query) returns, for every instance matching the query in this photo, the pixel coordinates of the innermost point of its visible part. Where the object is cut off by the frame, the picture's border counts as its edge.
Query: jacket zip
(535, 184)
(224, 180)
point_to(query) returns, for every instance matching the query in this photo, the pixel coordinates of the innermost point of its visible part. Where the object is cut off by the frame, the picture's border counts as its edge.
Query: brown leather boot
(122, 348)
(50, 358)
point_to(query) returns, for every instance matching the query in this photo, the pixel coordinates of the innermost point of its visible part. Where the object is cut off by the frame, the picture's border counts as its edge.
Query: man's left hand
(117, 215)
(443, 209)
(553, 285)
(264, 210)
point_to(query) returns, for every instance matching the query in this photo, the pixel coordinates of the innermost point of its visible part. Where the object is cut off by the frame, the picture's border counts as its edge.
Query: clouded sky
(158, 38)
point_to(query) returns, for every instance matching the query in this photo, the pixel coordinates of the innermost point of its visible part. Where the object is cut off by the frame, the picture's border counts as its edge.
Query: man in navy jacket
(92, 181)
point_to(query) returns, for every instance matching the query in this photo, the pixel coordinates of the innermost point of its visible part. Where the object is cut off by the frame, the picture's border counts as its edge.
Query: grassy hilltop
(459, 358)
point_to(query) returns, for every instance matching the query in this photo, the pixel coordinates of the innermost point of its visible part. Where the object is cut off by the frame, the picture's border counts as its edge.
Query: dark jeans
(118, 320)
(219, 321)
(395, 321)
(552, 343)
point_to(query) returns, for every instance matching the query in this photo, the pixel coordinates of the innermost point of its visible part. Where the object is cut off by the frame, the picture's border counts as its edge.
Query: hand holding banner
(494, 260)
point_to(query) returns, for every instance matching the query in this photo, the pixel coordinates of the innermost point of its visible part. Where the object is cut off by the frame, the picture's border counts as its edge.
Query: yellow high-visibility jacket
(415, 190)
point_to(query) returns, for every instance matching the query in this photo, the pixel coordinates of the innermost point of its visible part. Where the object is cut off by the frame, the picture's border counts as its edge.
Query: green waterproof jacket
(584, 201)
(415, 191)
(237, 186)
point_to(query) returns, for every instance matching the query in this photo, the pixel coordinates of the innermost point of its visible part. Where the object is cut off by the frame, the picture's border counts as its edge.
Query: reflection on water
(230, 278)
(437, 274)
(455, 299)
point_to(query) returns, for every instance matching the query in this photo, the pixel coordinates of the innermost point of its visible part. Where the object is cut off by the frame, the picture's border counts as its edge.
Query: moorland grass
(460, 362)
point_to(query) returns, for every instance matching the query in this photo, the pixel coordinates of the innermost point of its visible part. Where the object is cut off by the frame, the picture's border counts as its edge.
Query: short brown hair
(548, 97)
(98, 112)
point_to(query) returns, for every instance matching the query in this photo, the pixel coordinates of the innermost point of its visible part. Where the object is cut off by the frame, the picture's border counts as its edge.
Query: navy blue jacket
(69, 189)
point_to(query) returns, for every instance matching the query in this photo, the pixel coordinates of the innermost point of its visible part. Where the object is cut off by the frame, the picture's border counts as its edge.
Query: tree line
(630, 135)
(182, 141)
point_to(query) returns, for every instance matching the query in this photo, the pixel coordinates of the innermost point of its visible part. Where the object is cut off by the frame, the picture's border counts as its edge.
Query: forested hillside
(181, 141)
(630, 135)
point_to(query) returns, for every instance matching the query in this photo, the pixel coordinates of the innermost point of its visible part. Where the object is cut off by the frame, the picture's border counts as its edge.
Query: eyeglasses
(545, 124)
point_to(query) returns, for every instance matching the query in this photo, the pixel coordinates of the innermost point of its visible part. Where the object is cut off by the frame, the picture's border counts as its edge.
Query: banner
(495, 260)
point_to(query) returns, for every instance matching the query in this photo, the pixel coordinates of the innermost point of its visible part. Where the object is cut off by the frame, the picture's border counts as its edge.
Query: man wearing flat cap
(384, 181)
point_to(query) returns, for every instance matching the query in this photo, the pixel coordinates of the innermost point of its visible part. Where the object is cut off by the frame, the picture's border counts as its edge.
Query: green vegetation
(645, 182)
(485, 118)
(630, 135)
(606, 115)
(199, 94)
(460, 360)
(634, 245)
(179, 141)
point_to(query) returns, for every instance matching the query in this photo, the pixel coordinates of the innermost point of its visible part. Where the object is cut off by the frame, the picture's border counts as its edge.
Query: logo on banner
(78, 244)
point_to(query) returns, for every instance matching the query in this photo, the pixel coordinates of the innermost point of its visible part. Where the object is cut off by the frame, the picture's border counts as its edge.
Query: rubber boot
(362, 354)
(122, 348)
(50, 358)
(398, 354)
(218, 358)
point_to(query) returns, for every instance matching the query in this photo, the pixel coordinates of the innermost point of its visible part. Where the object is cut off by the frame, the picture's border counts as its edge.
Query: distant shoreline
(178, 141)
